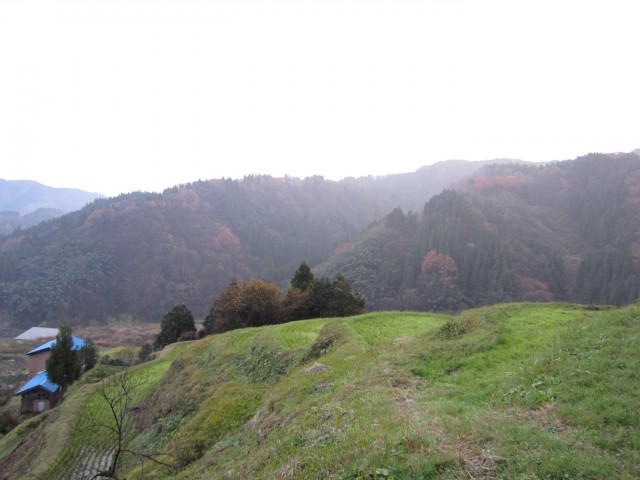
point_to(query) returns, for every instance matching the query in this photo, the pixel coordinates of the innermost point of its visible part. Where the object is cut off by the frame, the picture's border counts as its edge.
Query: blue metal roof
(40, 380)
(78, 343)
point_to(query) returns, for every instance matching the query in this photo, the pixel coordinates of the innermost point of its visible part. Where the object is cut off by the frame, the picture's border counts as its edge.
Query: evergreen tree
(209, 322)
(177, 321)
(303, 278)
(63, 365)
(334, 299)
(452, 226)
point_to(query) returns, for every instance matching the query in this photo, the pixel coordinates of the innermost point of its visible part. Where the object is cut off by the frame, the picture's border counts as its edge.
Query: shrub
(454, 328)
(328, 336)
(5, 395)
(107, 360)
(145, 352)
(232, 407)
(88, 354)
(187, 336)
(8, 422)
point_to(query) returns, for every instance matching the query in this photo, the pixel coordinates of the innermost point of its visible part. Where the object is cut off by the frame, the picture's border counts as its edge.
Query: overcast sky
(116, 96)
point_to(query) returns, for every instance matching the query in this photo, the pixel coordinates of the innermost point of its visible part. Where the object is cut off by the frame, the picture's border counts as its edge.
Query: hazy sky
(115, 96)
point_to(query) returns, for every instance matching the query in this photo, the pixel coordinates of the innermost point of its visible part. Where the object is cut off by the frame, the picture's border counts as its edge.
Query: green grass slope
(526, 391)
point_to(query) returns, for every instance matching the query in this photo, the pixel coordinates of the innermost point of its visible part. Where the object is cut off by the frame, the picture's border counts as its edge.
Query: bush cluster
(257, 302)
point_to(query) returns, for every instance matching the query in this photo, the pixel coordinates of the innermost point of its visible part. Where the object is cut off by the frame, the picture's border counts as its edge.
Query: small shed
(39, 394)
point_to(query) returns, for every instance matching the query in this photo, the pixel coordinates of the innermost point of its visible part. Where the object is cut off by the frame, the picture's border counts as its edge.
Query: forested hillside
(563, 231)
(141, 253)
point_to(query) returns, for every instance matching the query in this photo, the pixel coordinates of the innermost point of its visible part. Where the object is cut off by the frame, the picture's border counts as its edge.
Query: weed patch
(229, 408)
(330, 335)
(455, 328)
(543, 389)
(264, 362)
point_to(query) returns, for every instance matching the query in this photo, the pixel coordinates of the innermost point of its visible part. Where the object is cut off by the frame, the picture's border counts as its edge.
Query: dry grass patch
(477, 463)
(315, 368)
(110, 336)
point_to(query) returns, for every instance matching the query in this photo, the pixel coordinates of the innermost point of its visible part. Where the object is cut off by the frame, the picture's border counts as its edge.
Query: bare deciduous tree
(119, 399)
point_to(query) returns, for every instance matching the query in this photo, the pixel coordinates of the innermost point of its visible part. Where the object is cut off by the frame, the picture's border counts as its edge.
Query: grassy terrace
(525, 391)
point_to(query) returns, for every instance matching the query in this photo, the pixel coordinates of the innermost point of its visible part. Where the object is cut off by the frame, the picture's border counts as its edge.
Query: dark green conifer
(63, 365)
(303, 278)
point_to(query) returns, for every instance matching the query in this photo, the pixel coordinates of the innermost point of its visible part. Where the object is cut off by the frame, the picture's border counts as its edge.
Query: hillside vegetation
(563, 231)
(526, 391)
(138, 254)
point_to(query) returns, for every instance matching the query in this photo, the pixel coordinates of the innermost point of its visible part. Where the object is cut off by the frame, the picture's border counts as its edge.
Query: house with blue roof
(39, 393)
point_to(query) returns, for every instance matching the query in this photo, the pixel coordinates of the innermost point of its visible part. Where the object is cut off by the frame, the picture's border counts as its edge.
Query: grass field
(522, 391)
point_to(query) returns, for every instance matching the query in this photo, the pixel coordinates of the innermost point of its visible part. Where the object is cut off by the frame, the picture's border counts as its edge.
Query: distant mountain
(24, 203)
(411, 190)
(139, 254)
(560, 231)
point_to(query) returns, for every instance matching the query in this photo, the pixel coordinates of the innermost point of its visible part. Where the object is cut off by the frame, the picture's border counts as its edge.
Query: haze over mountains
(24, 203)
(564, 230)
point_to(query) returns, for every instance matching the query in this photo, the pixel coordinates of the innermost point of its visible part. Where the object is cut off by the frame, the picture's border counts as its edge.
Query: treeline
(134, 254)
(255, 303)
(566, 231)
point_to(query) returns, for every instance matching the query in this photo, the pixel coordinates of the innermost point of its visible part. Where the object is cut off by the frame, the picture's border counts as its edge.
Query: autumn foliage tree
(257, 302)
(246, 304)
(439, 264)
(297, 304)
(437, 283)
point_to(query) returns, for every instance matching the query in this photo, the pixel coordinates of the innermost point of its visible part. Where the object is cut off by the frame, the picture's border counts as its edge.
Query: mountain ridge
(513, 231)
(138, 254)
(26, 196)
(569, 231)
(25, 203)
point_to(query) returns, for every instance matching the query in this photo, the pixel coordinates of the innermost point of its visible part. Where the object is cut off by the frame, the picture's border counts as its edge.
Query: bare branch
(150, 457)
(104, 473)
(118, 394)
